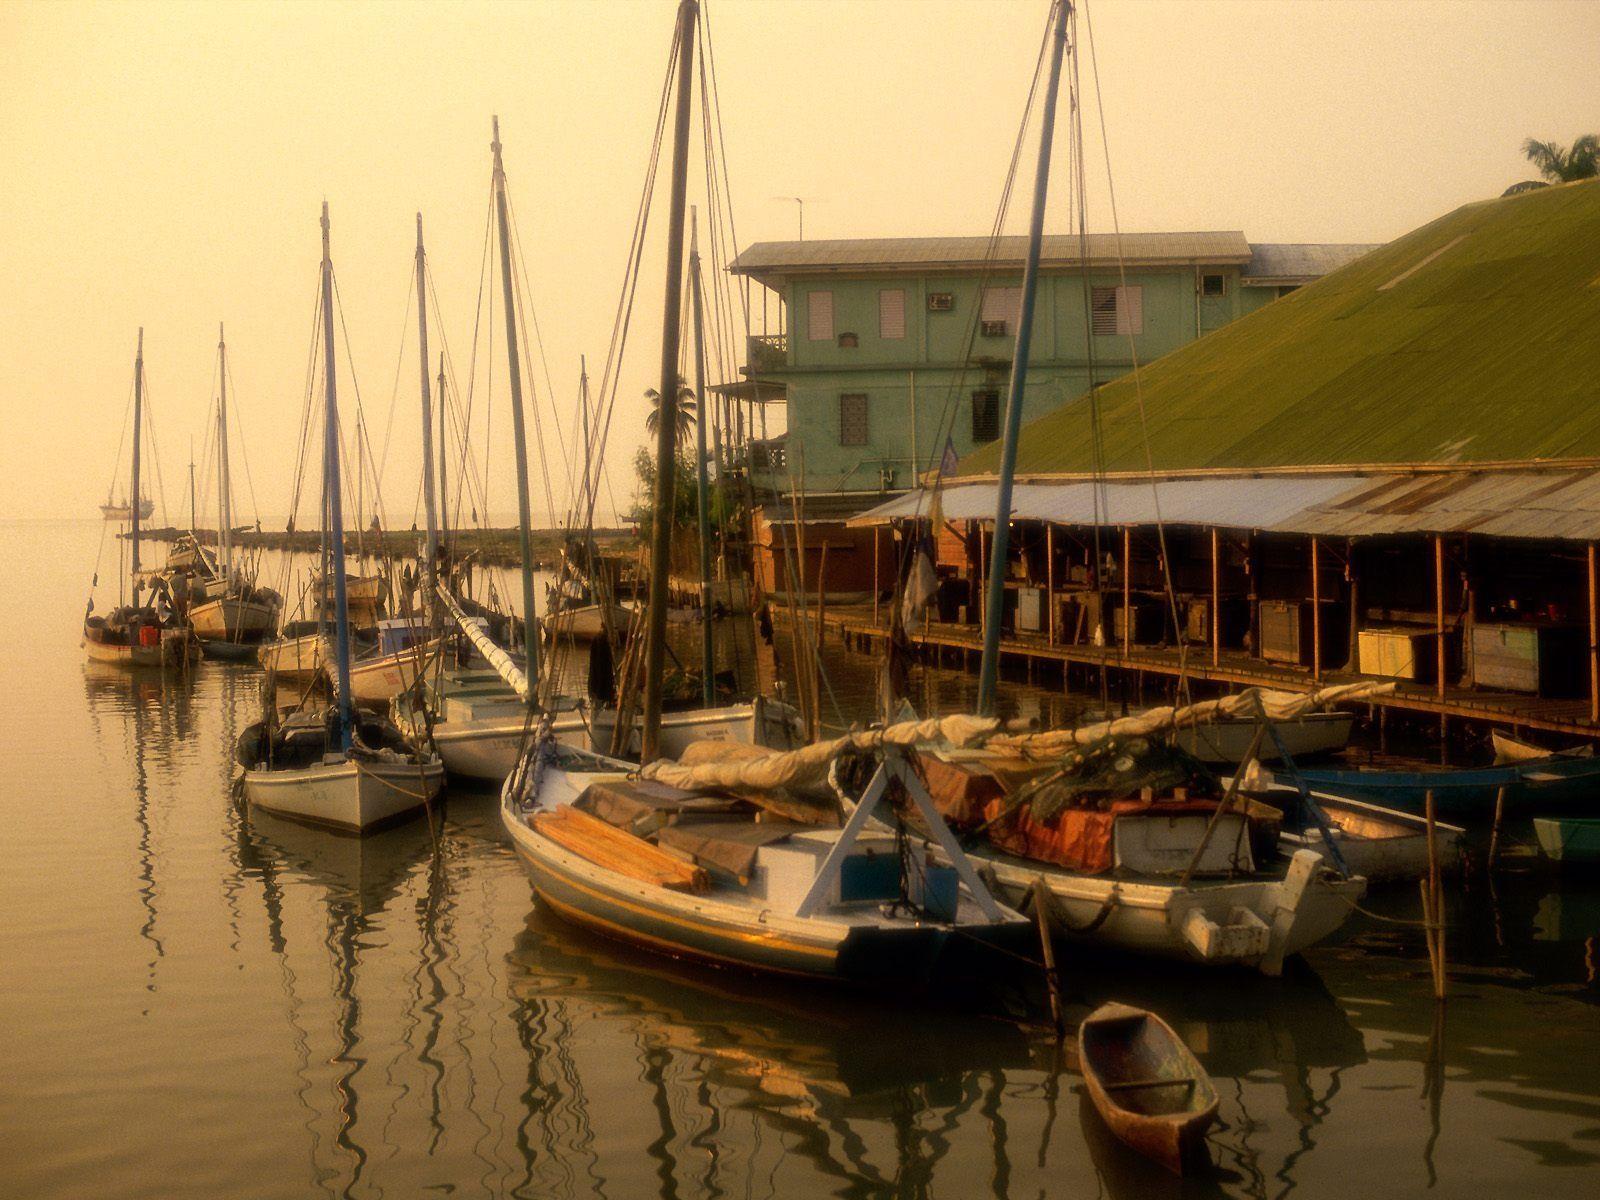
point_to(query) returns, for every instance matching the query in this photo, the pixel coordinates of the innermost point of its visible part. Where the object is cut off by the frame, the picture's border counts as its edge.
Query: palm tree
(687, 410)
(1581, 160)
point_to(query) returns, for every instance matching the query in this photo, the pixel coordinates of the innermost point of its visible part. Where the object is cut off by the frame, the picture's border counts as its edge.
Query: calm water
(199, 1001)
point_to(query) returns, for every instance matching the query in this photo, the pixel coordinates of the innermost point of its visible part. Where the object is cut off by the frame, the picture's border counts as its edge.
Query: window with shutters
(892, 313)
(1116, 311)
(853, 419)
(1000, 309)
(985, 417)
(819, 316)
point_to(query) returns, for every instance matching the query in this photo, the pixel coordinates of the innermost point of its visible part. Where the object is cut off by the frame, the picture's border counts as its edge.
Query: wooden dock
(951, 644)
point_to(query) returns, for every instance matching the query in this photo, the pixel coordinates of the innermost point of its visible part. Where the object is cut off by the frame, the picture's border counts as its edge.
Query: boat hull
(757, 724)
(1468, 796)
(295, 659)
(376, 681)
(350, 796)
(1229, 741)
(1382, 845)
(232, 620)
(1569, 841)
(170, 653)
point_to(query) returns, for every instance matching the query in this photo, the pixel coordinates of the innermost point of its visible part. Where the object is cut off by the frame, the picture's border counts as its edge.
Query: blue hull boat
(1566, 785)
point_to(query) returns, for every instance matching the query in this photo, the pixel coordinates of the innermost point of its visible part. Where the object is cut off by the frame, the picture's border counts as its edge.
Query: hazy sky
(163, 165)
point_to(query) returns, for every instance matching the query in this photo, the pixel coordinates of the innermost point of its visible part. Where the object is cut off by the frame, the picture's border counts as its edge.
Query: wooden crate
(1397, 652)
(1286, 628)
(1542, 660)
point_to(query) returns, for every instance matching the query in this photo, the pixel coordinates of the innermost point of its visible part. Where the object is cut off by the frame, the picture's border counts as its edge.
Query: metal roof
(1474, 339)
(776, 259)
(1562, 504)
(1274, 263)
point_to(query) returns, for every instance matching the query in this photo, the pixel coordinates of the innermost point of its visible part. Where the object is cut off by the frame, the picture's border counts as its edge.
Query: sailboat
(135, 634)
(770, 880)
(231, 616)
(335, 768)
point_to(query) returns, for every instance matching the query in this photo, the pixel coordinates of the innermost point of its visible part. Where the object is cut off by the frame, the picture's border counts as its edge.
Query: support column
(1594, 639)
(1353, 661)
(1216, 596)
(1127, 589)
(1316, 612)
(1438, 592)
(876, 587)
(1050, 582)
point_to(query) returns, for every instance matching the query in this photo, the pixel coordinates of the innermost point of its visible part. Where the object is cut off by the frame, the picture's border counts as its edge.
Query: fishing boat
(1468, 795)
(1569, 841)
(137, 633)
(299, 655)
(1305, 737)
(1508, 749)
(121, 510)
(1383, 845)
(1147, 1085)
(230, 616)
(336, 768)
(710, 875)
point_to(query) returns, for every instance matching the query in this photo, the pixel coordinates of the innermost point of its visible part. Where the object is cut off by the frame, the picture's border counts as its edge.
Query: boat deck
(856, 626)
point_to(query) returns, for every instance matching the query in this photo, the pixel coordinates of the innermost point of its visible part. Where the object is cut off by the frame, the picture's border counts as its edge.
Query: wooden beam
(1127, 589)
(1353, 662)
(1316, 611)
(1216, 596)
(876, 587)
(1438, 593)
(1594, 638)
(1050, 581)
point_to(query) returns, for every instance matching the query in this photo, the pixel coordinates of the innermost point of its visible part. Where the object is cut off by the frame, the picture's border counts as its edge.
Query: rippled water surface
(202, 1001)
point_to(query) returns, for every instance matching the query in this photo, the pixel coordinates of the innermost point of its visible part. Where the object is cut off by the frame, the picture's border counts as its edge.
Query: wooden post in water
(1433, 904)
(876, 531)
(1438, 594)
(1041, 913)
(1499, 817)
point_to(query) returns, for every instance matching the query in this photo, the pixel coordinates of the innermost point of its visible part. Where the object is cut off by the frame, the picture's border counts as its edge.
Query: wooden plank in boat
(642, 806)
(727, 846)
(606, 846)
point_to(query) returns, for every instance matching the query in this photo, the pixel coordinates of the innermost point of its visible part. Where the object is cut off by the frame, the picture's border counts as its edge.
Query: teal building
(884, 350)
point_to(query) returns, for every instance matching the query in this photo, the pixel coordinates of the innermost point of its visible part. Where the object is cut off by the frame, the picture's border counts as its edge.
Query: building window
(985, 417)
(941, 301)
(1213, 285)
(1116, 311)
(819, 316)
(853, 419)
(892, 314)
(1001, 308)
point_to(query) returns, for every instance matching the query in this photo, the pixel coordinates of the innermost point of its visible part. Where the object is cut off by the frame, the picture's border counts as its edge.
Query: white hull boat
(232, 619)
(1304, 737)
(1382, 844)
(348, 794)
(296, 659)
(379, 679)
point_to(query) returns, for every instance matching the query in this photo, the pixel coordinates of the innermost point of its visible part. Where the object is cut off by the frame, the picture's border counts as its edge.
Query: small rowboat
(1508, 749)
(1468, 795)
(1149, 1088)
(1570, 841)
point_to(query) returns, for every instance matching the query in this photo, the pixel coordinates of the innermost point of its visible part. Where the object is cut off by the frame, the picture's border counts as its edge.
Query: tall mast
(989, 671)
(193, 516)
(334, 512)
(530, 618)
(138, 436)
(224, 484)
(703, 485)
(430, 571)
(444, 492)
(667, 416)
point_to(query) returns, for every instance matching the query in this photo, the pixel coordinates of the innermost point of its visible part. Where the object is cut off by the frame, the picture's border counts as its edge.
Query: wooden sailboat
(234, 616)
(332, 768)
(135, 634)
(1147, 1085)
(760, 884)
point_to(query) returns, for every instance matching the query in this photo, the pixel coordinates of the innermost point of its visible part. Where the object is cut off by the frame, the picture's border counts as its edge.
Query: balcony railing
(768, 353)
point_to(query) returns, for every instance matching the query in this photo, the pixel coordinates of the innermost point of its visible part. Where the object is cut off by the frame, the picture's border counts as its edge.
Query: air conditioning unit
(941, 301)
(994, 329)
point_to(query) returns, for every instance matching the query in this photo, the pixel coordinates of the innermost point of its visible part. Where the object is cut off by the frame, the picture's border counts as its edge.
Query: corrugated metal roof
(1300, 262)
(1484, 348)
(1522, 504)
(866, 254)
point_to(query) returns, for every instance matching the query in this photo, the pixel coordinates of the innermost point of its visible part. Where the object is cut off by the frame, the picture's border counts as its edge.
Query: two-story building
(887, 349)
(888, 346)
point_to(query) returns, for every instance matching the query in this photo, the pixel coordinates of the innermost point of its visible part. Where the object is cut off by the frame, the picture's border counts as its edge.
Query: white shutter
(819, 316)
(892, 313)
(1002, 304)
(1130, 311)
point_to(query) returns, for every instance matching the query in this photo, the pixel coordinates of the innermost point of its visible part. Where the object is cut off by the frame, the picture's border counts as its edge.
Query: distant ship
(124, 511)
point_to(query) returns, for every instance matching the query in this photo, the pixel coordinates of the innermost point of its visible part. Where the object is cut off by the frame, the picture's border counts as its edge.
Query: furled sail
(497, 657)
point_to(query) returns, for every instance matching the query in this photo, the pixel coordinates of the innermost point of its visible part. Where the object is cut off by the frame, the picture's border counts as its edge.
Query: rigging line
(361, 423)
(306, 410)
(1138, 387)
(530, 320)
(449, 405)
(394, 392)
(122, 440)
(708, 70)
(517, 292)
(155, 453)
(244, 451)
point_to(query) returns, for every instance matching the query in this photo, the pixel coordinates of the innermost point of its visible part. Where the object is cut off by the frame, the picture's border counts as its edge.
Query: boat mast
(998, 548)
(138, 430)
(334, 512)
(703, 485)
(667, 414)
(224, 484)
(444, 492)
(530, 618)
(430, 571)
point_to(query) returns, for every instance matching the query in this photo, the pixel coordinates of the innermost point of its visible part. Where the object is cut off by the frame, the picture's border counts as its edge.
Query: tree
(1559, 164)
(687, 413)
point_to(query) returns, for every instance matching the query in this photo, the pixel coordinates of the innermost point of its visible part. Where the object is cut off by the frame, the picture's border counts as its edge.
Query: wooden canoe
(1146, 1084)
